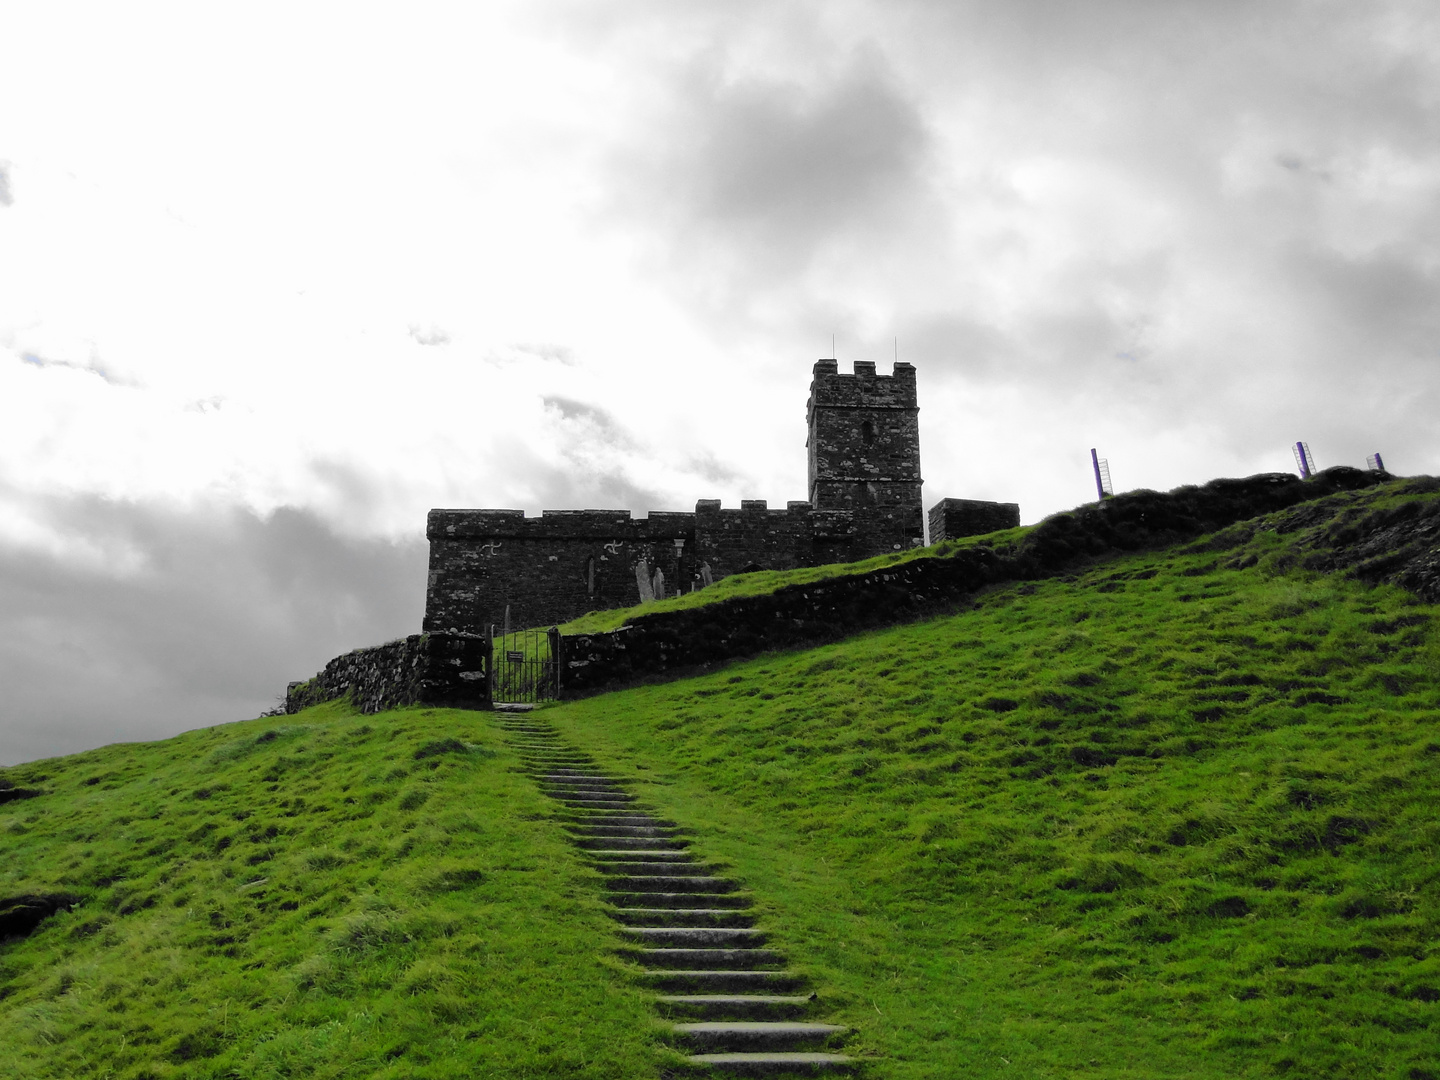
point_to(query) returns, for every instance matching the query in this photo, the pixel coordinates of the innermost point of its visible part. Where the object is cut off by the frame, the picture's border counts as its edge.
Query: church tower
(864, 453)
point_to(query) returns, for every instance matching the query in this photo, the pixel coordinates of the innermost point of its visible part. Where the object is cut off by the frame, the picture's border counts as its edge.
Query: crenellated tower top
(864, 448)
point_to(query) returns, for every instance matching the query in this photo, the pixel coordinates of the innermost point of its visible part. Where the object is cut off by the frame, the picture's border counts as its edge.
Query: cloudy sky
(275, 279)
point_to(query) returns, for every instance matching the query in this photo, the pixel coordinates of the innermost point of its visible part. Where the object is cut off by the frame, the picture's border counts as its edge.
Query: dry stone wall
(424, 669)
(671, 643)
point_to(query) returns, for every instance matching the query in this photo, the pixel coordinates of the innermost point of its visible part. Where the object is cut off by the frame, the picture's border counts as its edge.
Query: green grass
(763, 582)
(1174, 815)
(309, 896)
(1165, 818)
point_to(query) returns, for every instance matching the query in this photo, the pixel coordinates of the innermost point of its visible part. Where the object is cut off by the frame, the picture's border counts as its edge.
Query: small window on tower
(590, 575)
(867, 432)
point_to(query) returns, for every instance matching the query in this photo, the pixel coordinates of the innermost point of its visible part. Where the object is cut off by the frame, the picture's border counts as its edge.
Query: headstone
(705, 574)
(659, 584)
(642, 581)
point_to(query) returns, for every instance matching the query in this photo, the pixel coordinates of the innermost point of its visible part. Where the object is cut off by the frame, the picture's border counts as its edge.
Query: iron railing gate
(524, 666)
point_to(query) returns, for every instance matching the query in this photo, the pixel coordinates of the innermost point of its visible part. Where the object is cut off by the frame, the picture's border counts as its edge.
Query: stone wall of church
(550, 569)
(863, 451)
(563, 564)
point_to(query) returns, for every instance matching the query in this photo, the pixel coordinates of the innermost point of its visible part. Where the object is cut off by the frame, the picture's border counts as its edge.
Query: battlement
(863, 389)
(711, 507)
(556, 524)
(863, 452)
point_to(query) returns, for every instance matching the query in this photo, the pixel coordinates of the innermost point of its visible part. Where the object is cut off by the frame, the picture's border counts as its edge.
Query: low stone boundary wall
(674, 642)
(448, 669)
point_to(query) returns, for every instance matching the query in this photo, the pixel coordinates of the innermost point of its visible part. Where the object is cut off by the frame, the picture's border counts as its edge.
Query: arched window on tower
(590, 575)
(867, 432)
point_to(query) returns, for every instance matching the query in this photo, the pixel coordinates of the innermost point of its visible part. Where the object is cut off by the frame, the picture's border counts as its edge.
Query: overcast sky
(276, 279)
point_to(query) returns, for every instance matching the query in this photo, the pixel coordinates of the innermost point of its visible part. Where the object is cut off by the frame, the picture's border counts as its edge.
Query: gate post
(489, 635)
(555, 658)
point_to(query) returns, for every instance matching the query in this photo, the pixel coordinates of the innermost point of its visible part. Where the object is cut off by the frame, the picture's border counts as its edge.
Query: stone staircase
(718, 977)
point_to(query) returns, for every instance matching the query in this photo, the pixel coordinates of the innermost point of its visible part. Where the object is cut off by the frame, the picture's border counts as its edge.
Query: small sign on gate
(515, 657)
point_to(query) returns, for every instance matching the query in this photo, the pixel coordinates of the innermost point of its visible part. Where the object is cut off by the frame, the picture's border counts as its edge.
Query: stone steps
(698, 937)
(662, 917)
(737, 1006)
(645, 855)
(688, 927)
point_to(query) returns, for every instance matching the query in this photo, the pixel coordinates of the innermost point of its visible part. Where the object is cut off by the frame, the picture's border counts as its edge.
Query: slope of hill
(1173, 814)
(309, 896)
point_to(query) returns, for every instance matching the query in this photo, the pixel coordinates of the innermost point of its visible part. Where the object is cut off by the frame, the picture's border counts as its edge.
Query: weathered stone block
(452, 670)
(951, 519)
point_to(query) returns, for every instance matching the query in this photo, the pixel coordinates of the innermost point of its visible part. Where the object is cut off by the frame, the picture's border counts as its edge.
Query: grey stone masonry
(422, 669)
(864, 475)
(951, 519)
(864, 452)
(549, 569)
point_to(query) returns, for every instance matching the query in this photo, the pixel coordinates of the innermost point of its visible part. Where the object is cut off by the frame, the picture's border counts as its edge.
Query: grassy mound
(1171, 815)
(1175, 816)
(308, 896)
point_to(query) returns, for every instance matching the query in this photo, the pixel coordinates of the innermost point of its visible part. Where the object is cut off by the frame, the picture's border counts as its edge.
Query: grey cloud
(571, 409)
(591, 480)
(431, 335)
(578, 485)
(547, 351)
(610, 488)
(772, 167)
(228, 608)
(714, 471)
(596, 424)
(91, 368)
(1384, 301)
(1267, 142)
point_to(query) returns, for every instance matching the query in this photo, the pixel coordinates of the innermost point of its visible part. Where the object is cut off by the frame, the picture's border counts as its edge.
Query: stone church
(864, 500)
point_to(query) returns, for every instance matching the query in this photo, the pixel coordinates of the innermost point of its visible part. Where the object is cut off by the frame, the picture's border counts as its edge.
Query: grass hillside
(309, 896)
(1173, 815)
(1176, 816)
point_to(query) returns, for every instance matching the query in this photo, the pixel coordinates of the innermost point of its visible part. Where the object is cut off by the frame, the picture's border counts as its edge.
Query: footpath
(720, 979)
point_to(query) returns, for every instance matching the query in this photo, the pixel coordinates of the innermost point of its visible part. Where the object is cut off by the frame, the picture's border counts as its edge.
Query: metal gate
(524, 666)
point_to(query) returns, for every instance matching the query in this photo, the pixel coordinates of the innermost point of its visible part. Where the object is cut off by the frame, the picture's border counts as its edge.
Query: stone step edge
(763, 1027)
(762, 1058)
(748, 973)
(736, 998)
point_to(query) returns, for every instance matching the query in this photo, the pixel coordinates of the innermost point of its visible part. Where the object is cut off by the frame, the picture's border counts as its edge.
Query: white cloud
(348, 260)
